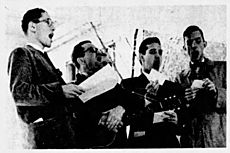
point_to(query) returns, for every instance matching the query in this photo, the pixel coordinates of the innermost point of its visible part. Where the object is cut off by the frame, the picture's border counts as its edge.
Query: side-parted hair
(78, 51)
(191, 29)
(31, 15)
(143, 46)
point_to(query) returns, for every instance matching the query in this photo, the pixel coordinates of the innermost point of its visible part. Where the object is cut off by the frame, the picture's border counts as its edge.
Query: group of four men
(59, 119)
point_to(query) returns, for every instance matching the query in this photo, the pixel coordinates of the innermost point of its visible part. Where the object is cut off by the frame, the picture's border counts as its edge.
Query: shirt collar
(83, 73)
(36, 47)
(202, 61)
(146, 74)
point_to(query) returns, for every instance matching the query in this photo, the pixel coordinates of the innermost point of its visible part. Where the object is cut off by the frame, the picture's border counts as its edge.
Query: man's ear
(205, 44)
(32, 26)
(80, 60)
(184, 48)
(141, 58)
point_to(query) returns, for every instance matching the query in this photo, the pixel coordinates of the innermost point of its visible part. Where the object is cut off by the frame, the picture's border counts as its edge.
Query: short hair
(78, 51)
(191, 29)
(29, 16)
(143, 46)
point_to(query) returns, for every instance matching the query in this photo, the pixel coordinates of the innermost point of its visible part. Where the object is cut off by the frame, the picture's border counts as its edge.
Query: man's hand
(72, 90)
(152, 87)
(165, 116)
(191, 94)
(209, 85)
(171, 117)
(112, 118)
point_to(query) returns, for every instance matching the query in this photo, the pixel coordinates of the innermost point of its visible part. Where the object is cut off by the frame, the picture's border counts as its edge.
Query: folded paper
(155, 75)
(103, 80)
(197, 84)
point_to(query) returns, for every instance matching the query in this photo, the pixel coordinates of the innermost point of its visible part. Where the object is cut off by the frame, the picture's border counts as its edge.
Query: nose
(106, 59)
(193, 43)
(157, 58)
(53, 25)
(157, 55)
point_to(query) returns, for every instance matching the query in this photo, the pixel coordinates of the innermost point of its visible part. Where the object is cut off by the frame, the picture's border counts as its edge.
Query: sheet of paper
(160, 116)
(102, 81)
(155, 75)
(197, 84)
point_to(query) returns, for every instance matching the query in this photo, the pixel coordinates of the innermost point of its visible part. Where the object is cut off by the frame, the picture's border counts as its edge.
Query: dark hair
(31, 15)
(191, 29)
(78, 51)
(143, 46)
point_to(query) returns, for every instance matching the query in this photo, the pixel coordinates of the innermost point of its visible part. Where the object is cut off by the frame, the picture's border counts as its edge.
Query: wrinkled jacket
(35, 85)
(204, 121)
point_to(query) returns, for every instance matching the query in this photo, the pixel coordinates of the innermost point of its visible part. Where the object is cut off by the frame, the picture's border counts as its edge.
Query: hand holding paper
(197, 84)
(165, 116)
(156, 76)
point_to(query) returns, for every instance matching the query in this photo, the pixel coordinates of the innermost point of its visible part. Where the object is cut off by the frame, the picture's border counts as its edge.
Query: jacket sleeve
(131, 102)
(221, 99)
(220, 82)
(22, 81)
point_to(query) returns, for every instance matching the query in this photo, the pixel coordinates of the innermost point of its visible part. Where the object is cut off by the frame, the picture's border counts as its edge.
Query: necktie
(198, 70)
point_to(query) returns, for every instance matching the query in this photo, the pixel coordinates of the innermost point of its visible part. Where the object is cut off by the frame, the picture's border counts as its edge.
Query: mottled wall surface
(118, 23)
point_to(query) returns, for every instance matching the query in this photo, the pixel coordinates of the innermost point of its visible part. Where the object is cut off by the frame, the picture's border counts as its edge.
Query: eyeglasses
(92, 50)
(48, 21)
(96, 50)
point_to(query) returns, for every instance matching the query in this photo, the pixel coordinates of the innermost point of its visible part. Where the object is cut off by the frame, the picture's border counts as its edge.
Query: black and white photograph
(133, 76)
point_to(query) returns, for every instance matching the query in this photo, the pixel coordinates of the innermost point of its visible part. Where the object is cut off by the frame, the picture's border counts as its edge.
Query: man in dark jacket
(204, 119)
(103, 116)
(37, 87)
(145, 130)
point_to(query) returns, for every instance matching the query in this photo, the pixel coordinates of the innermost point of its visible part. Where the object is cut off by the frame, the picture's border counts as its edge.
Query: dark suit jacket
(159, 135)
(36, 88)
(91, 112)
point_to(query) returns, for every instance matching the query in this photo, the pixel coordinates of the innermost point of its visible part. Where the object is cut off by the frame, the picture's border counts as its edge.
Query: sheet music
(155, 75)
(197, 84)
(102, 81)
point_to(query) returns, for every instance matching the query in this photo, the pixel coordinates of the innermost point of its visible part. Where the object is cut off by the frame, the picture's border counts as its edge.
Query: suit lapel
(140, 84)
(142, 79)
(46, 62)
(38, 55)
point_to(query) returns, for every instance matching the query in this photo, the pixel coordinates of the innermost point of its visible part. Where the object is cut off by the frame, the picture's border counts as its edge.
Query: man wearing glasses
(42, 97)
(102, 121)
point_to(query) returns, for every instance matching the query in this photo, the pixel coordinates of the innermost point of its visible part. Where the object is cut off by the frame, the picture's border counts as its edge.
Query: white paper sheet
(102, 81)
(155, 75)
(197, 84)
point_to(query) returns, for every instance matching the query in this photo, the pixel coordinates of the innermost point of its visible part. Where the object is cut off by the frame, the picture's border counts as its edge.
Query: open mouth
(156, 64)
(195, 54)
(51, 35)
